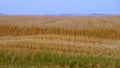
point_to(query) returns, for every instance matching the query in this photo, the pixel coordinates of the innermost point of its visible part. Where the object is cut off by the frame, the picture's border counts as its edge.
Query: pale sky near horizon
(59, 6)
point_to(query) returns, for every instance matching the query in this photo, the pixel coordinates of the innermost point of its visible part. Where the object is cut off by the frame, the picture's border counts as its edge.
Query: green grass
(45, 58)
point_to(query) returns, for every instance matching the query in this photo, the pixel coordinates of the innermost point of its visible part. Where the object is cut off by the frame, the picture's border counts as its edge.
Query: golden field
(72, 35)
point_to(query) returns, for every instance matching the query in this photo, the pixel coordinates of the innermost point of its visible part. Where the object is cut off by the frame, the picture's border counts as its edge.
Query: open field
(60, 41)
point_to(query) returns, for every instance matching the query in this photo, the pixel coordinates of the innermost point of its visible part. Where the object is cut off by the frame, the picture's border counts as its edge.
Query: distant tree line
(1, 14)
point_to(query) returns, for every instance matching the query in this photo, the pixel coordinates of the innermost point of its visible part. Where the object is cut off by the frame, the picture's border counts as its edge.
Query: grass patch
(45, 58)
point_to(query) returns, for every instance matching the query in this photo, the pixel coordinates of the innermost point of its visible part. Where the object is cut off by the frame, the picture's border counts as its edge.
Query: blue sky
(59, 6)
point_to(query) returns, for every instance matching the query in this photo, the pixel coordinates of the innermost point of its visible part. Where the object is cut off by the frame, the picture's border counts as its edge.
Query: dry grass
(101, 27)
(75, 45)
(86, 36)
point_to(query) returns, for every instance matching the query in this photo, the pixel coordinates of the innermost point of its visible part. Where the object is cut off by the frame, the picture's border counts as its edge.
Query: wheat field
(61, 39)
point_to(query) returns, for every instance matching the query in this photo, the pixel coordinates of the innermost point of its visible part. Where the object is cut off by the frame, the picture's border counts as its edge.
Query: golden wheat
(101, 27)
(87, 36)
